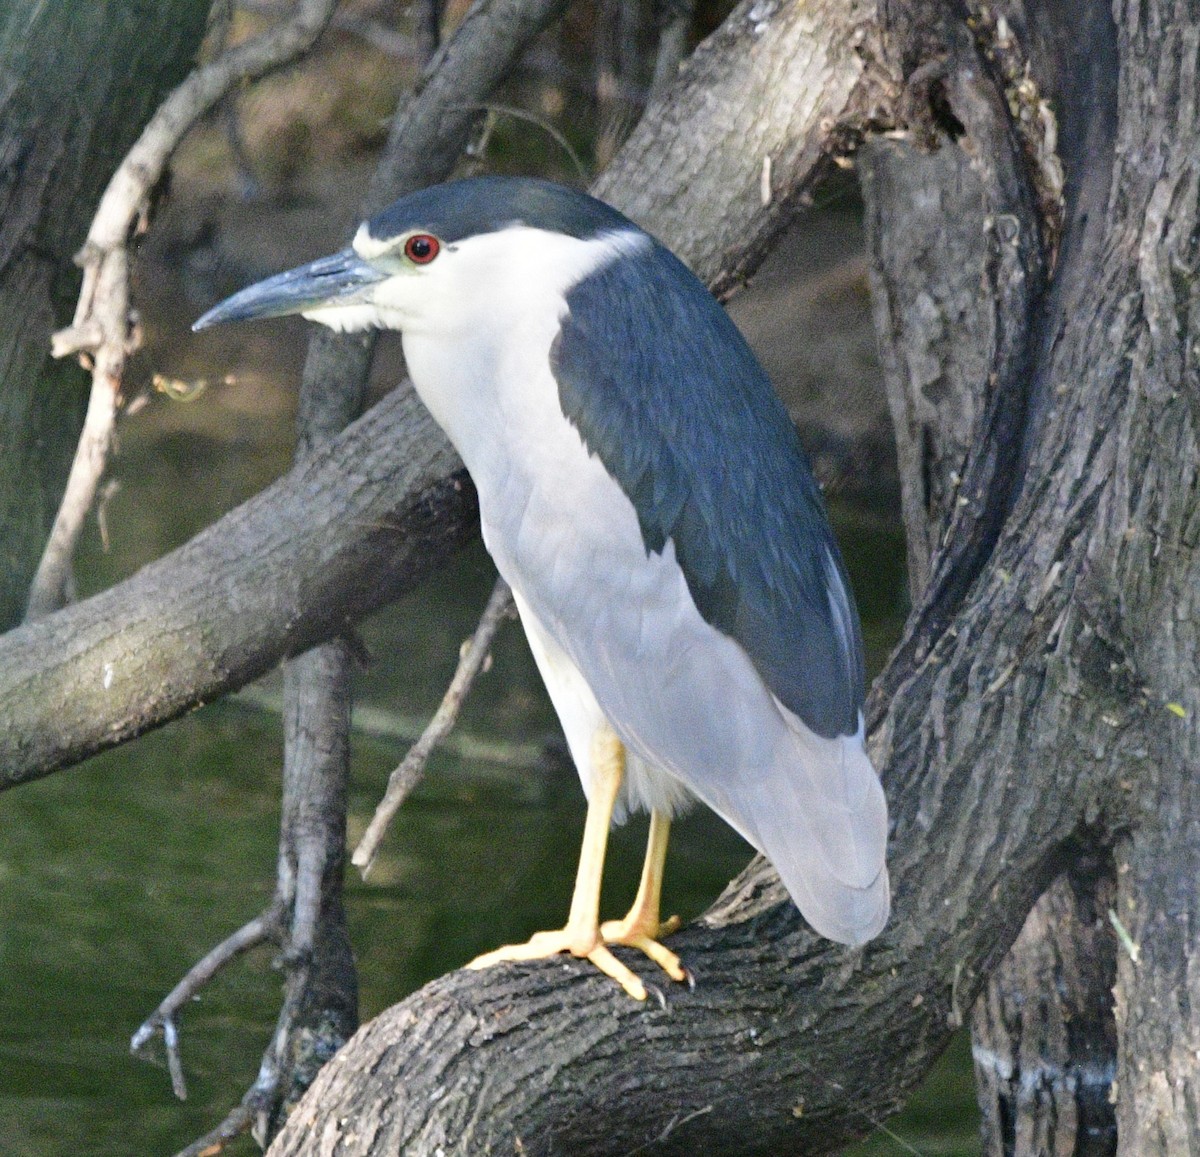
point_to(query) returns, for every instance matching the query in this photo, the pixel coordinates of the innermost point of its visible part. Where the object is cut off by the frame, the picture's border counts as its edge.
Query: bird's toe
(646, 940)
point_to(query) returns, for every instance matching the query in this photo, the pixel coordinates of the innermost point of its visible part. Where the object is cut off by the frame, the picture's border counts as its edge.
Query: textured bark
(1148, 565)
(1046, 679)
(1043, 1031)
(748, 128)
(1045, 696)
(338, 537)
(320, 1008)
(55, 157)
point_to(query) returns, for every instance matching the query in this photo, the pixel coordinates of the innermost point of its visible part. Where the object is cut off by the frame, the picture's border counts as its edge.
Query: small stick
(239, 1120)
(409, 773)
(103, 333)
(265, 926)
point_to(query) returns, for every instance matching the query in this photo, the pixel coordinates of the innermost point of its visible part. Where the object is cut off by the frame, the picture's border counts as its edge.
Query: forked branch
(104, 333)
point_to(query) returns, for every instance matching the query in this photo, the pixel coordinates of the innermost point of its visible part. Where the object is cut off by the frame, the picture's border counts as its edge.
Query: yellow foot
(544, 944)
(644, 935)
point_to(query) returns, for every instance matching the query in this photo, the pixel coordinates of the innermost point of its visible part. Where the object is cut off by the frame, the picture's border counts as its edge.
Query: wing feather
(665, 391)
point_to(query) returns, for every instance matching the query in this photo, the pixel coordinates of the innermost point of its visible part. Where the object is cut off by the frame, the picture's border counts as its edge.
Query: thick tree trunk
(56, 155)
(1043, 1031)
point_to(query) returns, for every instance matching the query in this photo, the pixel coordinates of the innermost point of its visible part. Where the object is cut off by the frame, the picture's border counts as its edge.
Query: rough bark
(1044, 1036)
(1043, 1031)
(1046, 680)
(320, 1008)
(55, 157)
(1046, 690)
(1147, 563)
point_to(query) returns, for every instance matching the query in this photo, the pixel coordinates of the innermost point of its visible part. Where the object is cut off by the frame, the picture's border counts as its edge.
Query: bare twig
(268, 925)
(103, 332)
(235, 1124)
(408, 774)
(542, 123)
(382, 38)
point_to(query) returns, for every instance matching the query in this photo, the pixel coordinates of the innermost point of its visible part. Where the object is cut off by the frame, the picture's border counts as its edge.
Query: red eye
(421, 248)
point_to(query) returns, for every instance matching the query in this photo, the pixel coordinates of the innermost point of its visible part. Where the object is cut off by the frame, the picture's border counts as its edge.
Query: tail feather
(821, 819)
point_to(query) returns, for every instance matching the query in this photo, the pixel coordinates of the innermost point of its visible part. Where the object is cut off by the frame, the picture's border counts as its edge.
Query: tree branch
(327, 544)
(103, 329)
(406, 777)
(267, 925)
(785, 84)
(339, 536)
(1005, 741)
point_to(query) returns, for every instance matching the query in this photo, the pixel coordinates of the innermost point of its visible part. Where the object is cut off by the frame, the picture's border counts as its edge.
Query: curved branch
(288, 570)
(999, 742)
(777, 90)
(103, 329)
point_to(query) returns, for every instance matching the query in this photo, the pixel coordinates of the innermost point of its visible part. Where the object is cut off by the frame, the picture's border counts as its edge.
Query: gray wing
(665, 391)
(685, 697)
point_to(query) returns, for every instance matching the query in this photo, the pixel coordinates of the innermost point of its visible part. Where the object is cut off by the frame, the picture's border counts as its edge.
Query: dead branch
(103, 332)
(266, 926)
(406, 777)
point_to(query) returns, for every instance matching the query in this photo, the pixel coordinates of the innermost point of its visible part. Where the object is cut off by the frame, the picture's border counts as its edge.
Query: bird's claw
(542, 945)
(644, 936)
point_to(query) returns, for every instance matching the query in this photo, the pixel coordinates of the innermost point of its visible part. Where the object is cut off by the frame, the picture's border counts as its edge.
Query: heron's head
(445, 257)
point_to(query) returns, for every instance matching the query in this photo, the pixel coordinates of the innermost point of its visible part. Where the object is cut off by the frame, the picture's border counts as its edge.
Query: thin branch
(239, 1120)
(103, 332)
(676, 18)
(533, 119)
(268, 925)
(402, 781)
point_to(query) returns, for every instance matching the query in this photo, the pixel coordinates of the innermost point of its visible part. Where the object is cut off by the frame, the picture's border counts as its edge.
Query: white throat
(478, 341)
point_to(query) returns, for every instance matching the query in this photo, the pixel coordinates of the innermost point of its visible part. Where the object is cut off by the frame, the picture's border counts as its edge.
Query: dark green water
(116, 876)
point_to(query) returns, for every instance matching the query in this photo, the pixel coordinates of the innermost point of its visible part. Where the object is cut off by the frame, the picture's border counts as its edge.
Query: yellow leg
(581, 936)
(642, 927)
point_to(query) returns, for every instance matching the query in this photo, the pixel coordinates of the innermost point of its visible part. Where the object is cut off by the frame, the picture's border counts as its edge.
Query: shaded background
(117, 876)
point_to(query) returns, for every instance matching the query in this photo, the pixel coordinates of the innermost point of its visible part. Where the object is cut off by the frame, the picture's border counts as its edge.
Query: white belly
(617, 637)
(614, 629)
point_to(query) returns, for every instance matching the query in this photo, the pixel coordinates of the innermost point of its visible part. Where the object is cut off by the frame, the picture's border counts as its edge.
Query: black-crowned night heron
(643, 491)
